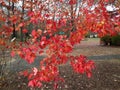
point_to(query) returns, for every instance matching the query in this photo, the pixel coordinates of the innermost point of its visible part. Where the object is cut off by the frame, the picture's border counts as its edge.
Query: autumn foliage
(49, 18)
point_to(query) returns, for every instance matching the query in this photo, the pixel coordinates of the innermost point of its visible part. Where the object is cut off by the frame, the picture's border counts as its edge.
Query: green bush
(111, 40)
(116, 40)
(106, 39)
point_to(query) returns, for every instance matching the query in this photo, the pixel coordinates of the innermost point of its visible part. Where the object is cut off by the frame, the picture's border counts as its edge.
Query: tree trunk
(14, 31)
(22, 19)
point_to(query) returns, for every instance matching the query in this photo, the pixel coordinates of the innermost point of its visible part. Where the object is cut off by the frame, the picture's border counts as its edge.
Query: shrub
(111, 40)
(115, 40)
(106, 39)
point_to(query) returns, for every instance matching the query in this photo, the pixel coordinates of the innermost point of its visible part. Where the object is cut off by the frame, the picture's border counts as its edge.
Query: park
(60, 45)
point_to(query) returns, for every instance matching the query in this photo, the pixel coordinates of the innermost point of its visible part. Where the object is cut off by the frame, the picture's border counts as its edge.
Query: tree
(50, 17)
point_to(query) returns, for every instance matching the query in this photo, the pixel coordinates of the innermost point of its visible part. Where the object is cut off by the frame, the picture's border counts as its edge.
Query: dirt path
(89, 48)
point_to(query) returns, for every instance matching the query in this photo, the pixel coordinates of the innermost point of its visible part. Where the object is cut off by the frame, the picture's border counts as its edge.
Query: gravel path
(89, 48)
(104, 57)
(19, 64)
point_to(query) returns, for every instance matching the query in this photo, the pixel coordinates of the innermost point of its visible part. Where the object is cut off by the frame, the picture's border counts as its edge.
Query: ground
(106, 75)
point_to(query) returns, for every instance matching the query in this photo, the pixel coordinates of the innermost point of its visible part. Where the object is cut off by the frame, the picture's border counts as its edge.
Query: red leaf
(55, 86)
(39, 84)
(67, 49)
(25, 31)
(21, 24)
(71, 2)
(24, 73)
(2, 19)
(30, 13)
(32, 83)
(89, 74)
(12, 53)
(106, 0)
(34, 33)
(61, 1)
(41, 52)
(31, 58)
(80, 65)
